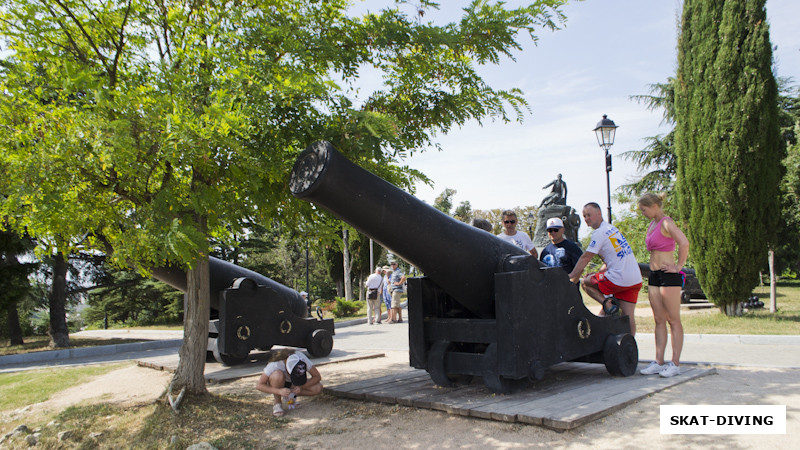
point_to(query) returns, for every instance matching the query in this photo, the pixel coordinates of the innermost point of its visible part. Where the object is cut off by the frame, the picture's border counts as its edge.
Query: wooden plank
(507, 411)
(397, 392)
(574, 410)
(473, 396)
(601, 407)
(485, 404)
(399, 376)
(431, 396)
(570, 395)
(362, 390)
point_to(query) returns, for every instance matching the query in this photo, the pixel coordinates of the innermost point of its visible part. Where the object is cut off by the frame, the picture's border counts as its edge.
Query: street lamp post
(605, 131)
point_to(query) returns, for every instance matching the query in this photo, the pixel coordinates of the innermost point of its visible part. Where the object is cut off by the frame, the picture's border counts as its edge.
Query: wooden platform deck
(217, 373)
(570, 395)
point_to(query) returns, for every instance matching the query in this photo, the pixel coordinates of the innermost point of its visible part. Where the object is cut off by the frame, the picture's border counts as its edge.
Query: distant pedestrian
(373, 285)
(664, 283)
(616, 285)
(386, 292)
(286, 378)
(560, 252)
(511, 235)
(397, 287)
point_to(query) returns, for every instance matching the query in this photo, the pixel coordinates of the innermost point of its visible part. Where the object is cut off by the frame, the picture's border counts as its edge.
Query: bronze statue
(558, 195)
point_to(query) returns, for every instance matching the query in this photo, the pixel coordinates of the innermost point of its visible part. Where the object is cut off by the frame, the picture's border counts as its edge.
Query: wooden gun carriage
(484, 307)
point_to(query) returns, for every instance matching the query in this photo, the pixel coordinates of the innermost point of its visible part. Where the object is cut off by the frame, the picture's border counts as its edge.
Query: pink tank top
(655, 241)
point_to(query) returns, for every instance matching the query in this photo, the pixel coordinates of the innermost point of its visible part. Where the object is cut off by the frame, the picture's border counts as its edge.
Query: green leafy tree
(728, 144)
(463, 211)
(157, 129)
(127, 298)
(787, 252)
(444, 201)
(657, 160)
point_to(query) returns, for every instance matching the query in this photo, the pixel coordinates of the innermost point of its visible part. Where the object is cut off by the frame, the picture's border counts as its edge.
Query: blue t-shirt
(565, 254)
(397, 275)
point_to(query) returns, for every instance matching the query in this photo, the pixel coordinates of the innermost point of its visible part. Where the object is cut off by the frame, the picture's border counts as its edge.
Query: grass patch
(170, 327)
(42, 343)
(786, 321)
(360, 314)
(223, 421)
(18, 389)
(758, 321)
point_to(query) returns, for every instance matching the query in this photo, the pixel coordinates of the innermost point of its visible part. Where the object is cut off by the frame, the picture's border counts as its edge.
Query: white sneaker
(653, 368)
(670, 370)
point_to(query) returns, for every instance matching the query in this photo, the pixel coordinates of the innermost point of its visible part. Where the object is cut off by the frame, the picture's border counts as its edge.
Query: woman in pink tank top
(665, 282)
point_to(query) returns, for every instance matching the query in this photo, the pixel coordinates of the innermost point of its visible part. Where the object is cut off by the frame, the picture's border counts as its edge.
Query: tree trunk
(348, 283)
(14, 330)
(191, 365)
(58, 331)
(773, 304)
(733, 309)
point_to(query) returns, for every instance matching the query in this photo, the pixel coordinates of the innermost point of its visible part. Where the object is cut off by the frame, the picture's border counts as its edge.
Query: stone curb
(747, 339)
(100, 350)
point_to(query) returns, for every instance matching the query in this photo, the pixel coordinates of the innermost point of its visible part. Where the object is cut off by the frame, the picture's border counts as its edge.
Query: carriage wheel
(321, 343)
(227, 359)
(436, 369)
(621, 355)
(493, 380)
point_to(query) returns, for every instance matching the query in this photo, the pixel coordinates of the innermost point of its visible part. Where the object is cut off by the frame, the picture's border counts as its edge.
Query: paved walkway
(358, 336)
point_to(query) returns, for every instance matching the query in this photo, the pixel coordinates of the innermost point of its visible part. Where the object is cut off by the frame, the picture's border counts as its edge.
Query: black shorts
(661, 278)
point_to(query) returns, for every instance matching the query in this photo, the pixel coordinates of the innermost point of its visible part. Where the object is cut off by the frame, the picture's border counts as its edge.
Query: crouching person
(286, 377)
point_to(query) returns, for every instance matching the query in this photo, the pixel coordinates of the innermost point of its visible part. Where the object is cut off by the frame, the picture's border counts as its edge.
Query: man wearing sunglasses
(518, 238)
(561, 252)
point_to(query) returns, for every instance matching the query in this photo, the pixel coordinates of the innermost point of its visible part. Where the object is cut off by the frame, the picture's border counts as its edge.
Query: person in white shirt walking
(373, 298)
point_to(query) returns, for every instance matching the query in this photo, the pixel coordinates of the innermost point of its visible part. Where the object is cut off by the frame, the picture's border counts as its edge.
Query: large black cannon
(250, 311)
(484, 307)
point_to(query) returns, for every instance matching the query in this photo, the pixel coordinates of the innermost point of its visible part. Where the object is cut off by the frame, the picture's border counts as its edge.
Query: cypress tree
(728, 144)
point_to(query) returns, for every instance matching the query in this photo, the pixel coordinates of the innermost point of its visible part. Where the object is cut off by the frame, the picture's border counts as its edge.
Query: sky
(607, 51)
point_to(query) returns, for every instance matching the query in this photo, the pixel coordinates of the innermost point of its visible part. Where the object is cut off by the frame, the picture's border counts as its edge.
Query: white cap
(555, 222)
(297, 369)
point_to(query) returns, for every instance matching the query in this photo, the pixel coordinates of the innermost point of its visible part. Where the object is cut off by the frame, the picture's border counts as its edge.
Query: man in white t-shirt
(616, 285)
(373, 296)
(518, 238)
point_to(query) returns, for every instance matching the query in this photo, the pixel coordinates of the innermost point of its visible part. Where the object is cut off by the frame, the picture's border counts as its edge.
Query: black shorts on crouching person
(661, 278)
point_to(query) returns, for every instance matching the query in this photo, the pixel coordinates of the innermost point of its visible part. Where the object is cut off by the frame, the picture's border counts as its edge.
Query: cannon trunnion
(250, 311)
(485, 307)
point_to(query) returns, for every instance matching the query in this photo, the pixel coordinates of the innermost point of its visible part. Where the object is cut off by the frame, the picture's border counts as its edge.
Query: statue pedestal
(567, 214)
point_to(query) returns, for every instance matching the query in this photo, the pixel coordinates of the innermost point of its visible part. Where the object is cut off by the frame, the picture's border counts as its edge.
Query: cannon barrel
(250, 311)
(460, 258)
(222, 275)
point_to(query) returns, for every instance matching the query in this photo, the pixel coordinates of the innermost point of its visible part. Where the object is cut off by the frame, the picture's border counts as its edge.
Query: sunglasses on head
(509, 221)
